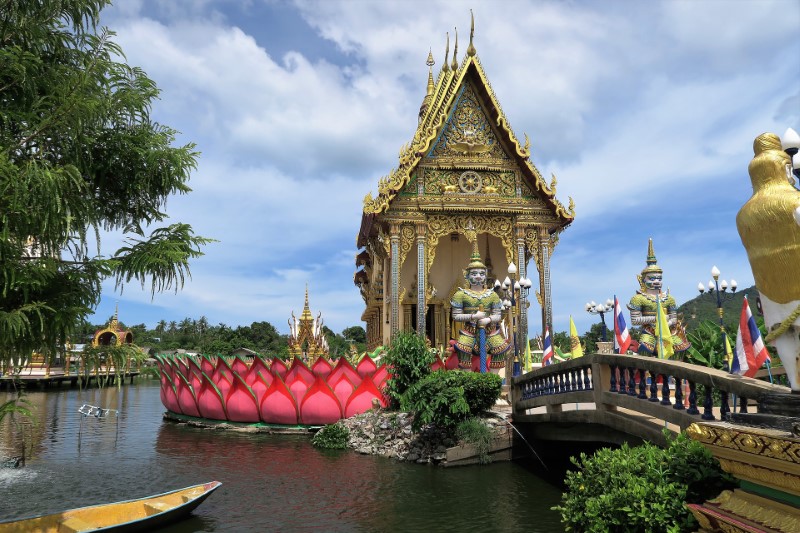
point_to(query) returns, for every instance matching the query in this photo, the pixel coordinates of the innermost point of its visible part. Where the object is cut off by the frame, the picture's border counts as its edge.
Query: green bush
(474, 431)
(447, 397)
(644, 488)
(332, 436)
(480, 390)
(409, 360)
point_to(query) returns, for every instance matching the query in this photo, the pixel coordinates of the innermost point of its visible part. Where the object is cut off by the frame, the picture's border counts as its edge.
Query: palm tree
(202, 327)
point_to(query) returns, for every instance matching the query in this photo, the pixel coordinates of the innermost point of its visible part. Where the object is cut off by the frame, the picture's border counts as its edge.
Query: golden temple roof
(436, 107)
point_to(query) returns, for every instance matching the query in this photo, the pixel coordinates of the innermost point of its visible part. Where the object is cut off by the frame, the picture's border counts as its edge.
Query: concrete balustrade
(616, 398)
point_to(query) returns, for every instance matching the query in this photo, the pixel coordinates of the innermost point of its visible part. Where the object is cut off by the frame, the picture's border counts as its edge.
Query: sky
(645, 111)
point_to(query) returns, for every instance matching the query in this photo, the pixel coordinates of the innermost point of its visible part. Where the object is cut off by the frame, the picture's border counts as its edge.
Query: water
(270, 482)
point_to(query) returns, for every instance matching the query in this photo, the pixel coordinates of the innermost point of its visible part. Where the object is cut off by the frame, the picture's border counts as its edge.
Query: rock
(412, 457)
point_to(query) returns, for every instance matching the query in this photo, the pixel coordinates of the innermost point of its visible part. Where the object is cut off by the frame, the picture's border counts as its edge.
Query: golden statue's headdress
(474, 259)
(651, 267)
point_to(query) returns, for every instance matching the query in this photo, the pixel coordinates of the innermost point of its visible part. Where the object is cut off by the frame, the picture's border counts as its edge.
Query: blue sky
(645, 111)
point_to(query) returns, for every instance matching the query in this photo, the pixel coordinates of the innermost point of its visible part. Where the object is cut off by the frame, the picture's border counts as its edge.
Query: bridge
(628, 398)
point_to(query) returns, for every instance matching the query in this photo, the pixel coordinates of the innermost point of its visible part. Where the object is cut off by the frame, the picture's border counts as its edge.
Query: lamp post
(790, 142)
(721, 288)
(600, 309)
(511, 290)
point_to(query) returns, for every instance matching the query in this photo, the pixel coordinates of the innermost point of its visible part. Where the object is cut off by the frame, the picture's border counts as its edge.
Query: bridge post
(601, 382)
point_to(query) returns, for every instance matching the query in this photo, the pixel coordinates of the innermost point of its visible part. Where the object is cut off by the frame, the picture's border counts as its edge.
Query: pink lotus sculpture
(231, 389)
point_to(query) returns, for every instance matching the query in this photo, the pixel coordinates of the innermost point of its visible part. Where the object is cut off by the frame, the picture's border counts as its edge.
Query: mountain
(704, 307)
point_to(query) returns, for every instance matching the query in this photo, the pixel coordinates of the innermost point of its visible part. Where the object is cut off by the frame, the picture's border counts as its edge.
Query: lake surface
(270, 482)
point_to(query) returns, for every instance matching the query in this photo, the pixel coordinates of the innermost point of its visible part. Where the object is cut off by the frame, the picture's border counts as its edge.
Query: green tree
(79, 154)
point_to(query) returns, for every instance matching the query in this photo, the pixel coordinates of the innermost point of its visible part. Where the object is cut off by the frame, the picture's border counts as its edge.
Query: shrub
(474, 431)
(447, 397)
(332, 436)
(480, 390)
(644, 488)
(410, 360)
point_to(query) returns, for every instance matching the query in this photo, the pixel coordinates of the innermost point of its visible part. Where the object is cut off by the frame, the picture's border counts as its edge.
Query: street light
(721, 288)
(510, 290)
(600, 309)
(790, 142)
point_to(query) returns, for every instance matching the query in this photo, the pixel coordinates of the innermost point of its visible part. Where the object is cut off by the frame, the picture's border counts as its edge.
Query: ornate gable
(464, 146)
(468, 136)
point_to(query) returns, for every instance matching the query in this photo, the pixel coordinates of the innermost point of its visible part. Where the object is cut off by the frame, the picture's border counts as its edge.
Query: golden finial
(571, 206)
(651, 255)
(445, 68)
(471, 233)
(527, 146)
(454, 64)
(430, 62)
(553, 183)
(471, 49)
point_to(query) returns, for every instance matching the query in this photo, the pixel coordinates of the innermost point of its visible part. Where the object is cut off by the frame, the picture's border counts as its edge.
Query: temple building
(112, 334)
(464, 178)
(306, 339)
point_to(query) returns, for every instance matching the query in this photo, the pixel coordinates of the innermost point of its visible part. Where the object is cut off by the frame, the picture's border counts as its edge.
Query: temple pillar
(394, 305)
(421, 285)
(544, 279)
(523, 300)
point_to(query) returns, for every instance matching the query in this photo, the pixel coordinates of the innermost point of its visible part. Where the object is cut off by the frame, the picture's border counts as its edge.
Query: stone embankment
(389, 434)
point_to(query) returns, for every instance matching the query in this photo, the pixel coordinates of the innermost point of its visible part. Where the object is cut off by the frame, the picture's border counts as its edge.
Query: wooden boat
(143, 514)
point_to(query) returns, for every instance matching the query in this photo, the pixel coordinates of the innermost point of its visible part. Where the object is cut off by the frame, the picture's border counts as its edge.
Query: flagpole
(769, 371)
(660, 348)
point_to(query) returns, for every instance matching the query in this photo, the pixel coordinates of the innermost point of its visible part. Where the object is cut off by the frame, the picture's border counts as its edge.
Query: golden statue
(768, 226)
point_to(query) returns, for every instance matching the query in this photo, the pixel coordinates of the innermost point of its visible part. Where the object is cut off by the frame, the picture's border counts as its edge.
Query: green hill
(704, 307)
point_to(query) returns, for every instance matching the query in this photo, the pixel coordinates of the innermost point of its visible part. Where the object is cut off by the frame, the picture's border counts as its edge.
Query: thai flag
(622, 339)
(750, 350)
(547, 347)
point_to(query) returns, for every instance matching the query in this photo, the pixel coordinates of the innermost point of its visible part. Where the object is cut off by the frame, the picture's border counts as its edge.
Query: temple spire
(454, 64)
(471, 48)
(430, 62)
(306, 309)
(445, 68)
(429, 92)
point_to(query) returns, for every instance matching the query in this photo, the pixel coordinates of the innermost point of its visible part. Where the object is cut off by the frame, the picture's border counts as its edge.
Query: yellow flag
(574, 340)
(728, 352)
(528, 356)
(662, 333)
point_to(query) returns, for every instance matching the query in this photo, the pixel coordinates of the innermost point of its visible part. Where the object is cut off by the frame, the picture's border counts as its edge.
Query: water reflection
(270, 482)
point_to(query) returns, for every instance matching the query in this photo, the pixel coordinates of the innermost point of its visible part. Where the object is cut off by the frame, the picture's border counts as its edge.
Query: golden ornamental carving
(765, 512)
(408, 237)
(468, 133)
(763, 456)
(450, 182)
(387, 244)
(765, 476)
(532, 243)
(441, 225)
